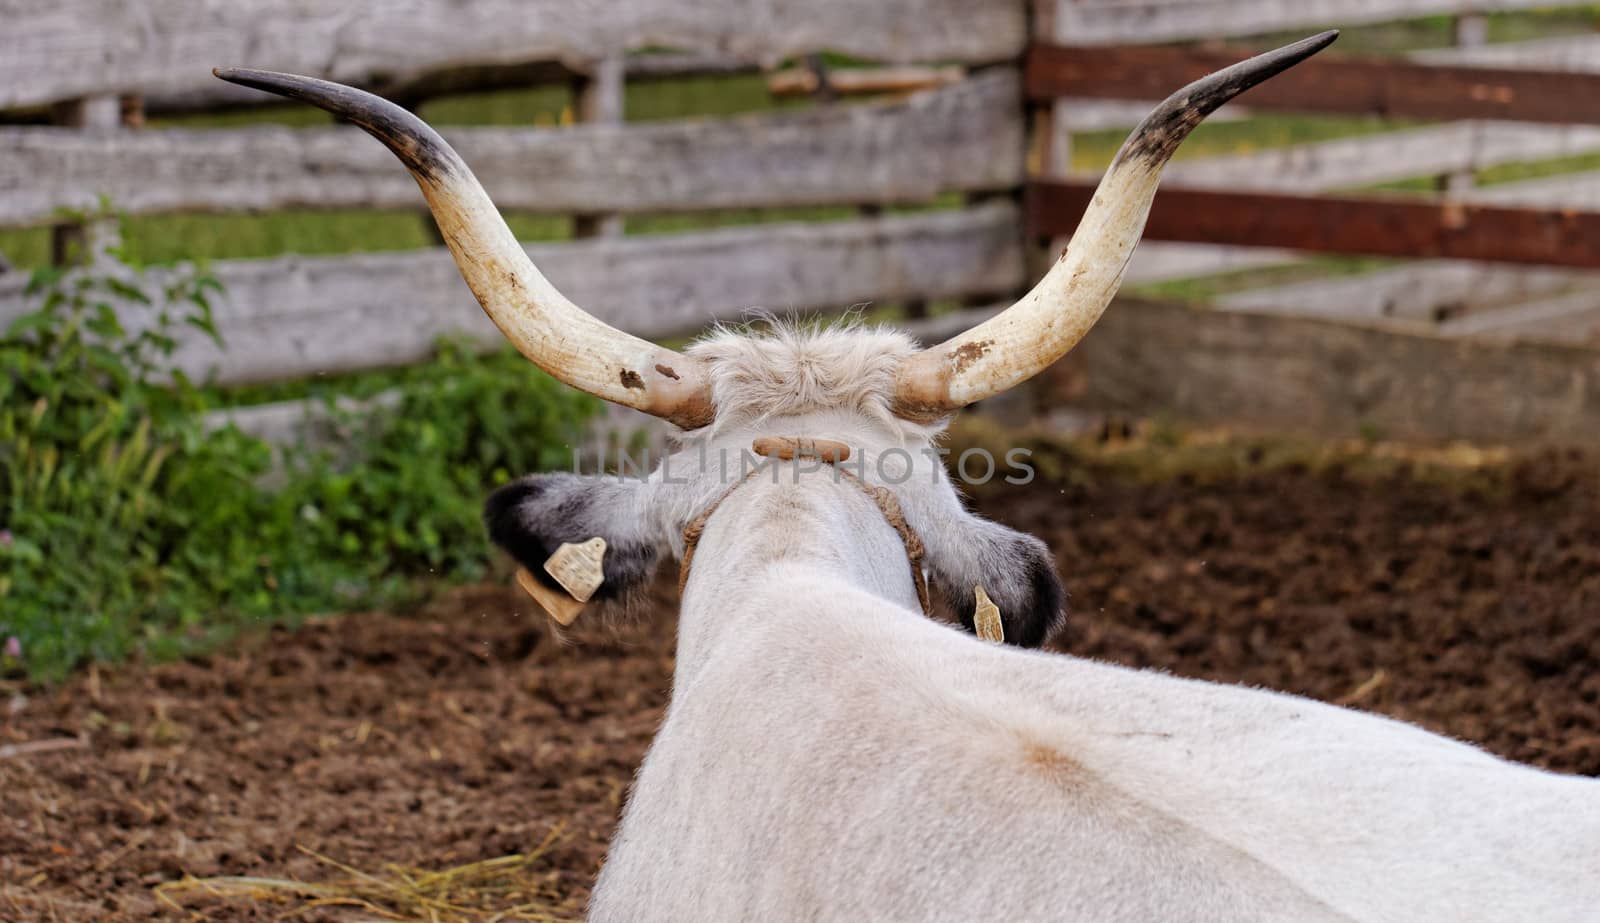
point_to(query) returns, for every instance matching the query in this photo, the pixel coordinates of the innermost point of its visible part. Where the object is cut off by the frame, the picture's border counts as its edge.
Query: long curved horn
(556, 334)
(1021, 341)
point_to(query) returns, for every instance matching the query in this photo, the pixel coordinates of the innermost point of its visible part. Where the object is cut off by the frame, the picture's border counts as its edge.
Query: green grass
(1092, 151)
(1206, 288)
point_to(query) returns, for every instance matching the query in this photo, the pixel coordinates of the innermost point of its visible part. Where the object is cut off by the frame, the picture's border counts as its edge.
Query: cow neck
(785, 449)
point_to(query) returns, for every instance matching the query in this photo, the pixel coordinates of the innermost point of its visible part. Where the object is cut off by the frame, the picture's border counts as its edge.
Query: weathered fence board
(1572, 317)
(297, 316)
(968, 137)
(1564, 53)
(1106, 22)
(1570, 191)
(1314, 376)
(1159, 260)
(1308, 375)
(1421, 292)
(71, 48)
(1375, 226)
(413, 88)
(1324, 84)
(1364, 160)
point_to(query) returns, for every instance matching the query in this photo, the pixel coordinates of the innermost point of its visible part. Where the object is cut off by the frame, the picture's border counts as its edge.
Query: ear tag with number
(578, 569)
(558, 605)
(986, 617)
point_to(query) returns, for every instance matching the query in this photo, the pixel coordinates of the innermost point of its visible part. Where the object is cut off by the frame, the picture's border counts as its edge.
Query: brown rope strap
(882, 496)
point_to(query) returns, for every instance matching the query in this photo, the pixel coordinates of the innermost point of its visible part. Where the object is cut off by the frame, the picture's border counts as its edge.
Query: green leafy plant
(129, 522)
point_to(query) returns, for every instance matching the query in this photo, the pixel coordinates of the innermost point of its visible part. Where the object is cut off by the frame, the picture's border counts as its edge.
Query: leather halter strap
(886, 502)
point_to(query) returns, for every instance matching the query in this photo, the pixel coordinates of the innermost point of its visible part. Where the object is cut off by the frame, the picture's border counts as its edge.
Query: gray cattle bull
(831, 753)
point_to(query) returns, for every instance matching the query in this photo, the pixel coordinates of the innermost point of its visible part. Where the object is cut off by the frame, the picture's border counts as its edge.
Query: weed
(131, 524)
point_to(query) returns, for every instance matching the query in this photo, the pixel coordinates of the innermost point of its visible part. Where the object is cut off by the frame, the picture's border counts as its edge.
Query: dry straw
(510, 889)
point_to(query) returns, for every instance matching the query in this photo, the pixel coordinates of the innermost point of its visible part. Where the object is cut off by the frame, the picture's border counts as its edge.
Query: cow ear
(531, 518)
(1017, 572)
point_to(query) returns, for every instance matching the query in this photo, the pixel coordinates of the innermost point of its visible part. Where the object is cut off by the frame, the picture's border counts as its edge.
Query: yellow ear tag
(986, 618)
(577, 568)
(556, 604)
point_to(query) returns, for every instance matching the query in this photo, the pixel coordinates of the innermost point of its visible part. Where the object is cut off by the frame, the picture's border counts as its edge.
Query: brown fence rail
(1334, 224)
(1397, 89)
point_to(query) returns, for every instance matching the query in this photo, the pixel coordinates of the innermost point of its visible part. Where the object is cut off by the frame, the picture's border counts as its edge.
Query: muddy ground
(466, 731)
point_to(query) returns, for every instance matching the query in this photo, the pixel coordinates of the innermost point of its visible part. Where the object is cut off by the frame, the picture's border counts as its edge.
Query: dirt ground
(467, 731)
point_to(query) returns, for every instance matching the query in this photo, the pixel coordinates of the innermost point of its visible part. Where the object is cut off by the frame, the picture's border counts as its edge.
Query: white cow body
(831, 754)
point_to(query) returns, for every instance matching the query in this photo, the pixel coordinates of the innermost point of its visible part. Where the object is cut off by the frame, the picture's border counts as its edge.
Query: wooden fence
(998, 100)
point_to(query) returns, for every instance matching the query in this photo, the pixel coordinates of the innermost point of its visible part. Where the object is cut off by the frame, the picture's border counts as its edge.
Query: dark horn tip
(1269, 64)
(1306, 47)
(239, 75)
(1164, 129)
(416, 144)
(269, 81)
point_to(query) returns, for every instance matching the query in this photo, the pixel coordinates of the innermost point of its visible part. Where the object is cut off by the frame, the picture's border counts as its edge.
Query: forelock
(777, 368)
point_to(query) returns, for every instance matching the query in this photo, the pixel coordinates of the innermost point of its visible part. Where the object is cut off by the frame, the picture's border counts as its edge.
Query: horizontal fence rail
(1331, 378)
(1110, 22)
(1364, 160)
(295, 316)
(76, 48)
(1425, 293)
(968, 137)
(1330, 224)
(1311, 375)
(1398, 89)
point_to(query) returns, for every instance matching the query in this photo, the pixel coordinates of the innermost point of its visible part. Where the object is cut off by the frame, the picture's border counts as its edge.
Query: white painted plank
(61, 49)
(968, 137)
(294, 316)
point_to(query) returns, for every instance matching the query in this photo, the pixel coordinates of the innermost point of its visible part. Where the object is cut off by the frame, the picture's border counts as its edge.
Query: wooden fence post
(599, 97)
(1051, 154)
(1471, 30)
(105, 113)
